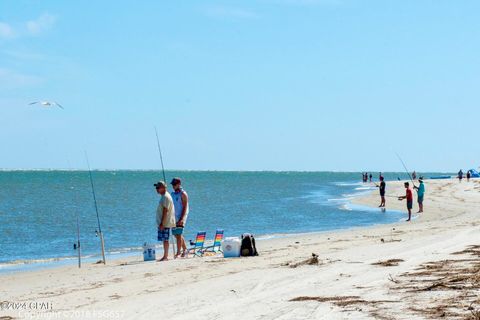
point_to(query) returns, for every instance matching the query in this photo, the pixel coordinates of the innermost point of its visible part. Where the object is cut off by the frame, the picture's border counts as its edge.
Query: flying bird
(47, 104)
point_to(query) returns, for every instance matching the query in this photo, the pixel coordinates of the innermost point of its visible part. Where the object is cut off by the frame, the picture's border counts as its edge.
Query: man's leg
(409, 214)
(184, 244)
(165, 251)
(179, 244)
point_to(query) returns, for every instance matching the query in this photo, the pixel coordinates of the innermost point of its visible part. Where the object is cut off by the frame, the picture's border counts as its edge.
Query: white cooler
(231, 247)
(148, 252)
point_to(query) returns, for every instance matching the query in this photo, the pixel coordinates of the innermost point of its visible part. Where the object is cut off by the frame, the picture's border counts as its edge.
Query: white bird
(47, 104)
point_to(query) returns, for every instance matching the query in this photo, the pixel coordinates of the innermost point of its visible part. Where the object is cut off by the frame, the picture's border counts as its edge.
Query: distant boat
(441, 177)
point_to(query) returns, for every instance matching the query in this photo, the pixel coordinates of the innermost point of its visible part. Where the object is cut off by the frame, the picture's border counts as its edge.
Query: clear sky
(241, 85)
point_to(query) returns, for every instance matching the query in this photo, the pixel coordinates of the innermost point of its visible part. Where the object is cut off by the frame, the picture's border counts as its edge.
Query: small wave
(345, 207)
(267, 237)
(348, 184)
(340, 199)
(365, 188)
(35, 261)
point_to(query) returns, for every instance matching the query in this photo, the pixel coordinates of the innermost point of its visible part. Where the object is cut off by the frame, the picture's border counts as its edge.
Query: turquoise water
(38, 208)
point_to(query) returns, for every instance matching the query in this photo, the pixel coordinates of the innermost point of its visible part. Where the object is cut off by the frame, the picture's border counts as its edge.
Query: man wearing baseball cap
(180, 203)
(165, 216)
(420, 194)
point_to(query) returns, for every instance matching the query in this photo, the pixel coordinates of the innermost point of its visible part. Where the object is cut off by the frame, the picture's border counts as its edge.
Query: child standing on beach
(409, 197)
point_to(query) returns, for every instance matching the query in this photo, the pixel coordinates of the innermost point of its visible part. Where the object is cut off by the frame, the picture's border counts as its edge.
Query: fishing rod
(99, 232)
(405, 167)
(160, 154)
(163, 172)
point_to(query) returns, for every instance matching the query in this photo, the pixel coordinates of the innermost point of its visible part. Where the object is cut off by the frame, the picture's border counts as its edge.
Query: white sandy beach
(436, 274)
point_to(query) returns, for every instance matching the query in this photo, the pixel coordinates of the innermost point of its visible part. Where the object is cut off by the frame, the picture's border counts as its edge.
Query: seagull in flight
(47, 104)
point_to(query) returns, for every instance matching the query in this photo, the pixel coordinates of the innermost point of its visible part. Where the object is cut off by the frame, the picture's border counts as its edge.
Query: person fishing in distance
(409, 196)
(382, 187)
(420, 194)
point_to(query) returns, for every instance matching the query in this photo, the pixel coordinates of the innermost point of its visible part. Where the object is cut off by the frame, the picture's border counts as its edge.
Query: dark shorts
(382, 194)
(163, 235)
(177, 231)
(409, 204)
(420, 199)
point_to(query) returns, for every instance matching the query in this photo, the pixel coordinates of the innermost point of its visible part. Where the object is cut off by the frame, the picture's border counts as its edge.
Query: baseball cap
(175, 181)
(160, 184)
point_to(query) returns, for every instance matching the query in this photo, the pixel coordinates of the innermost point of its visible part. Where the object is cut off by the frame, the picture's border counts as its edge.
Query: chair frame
(215, 243)
(197, 249)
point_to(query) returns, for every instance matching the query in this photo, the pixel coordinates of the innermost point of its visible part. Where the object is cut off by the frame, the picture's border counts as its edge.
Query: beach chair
(197, 249)
(217, 242)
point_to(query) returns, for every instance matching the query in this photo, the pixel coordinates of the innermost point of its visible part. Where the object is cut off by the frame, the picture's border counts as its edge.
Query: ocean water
(38, 208)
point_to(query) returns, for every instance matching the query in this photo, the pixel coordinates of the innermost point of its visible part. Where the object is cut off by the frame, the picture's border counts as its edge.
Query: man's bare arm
(185, 205)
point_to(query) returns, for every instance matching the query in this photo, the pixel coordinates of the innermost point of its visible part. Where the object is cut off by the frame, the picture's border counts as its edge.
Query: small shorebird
(47, 104)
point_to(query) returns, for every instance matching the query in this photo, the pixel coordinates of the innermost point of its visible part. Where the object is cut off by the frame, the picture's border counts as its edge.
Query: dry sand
(428, 268)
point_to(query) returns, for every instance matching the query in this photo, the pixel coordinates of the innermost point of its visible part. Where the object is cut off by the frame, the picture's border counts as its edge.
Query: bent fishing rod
(160, 154)
(99, 232)
(406, 170)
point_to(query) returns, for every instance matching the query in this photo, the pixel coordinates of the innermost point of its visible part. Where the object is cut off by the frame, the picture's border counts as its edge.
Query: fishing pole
(163, 172)
(99, 233)
(405, 167)
(160, 154)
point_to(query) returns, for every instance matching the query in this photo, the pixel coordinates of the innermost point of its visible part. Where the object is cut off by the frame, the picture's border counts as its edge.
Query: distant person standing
(469, 175)
(460, 175)
(414, 175)
(382, 187)
(420, 194)
(409, 196)
(165, 217)
(371, 176)
(180, 201)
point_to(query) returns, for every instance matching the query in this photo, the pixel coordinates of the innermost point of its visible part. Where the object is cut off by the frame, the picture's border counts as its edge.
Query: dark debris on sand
(445, 289)
(313, 260)
(388, 263)
(458, 281)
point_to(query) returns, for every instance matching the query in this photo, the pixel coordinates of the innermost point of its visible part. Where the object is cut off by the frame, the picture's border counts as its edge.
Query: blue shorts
(420, 199)
(177, 231)
(164, 235)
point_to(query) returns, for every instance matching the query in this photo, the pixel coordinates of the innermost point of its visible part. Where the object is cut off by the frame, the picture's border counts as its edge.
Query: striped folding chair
(217, 242)
(197, 249)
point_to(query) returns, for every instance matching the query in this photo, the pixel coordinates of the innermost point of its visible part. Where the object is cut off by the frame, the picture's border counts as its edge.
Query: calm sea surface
(38, 208)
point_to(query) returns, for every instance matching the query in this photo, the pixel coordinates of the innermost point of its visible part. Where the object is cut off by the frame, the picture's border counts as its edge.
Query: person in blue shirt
(420, 193)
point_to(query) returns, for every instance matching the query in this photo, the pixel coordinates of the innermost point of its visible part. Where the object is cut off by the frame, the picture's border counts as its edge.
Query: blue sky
(241, 85)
